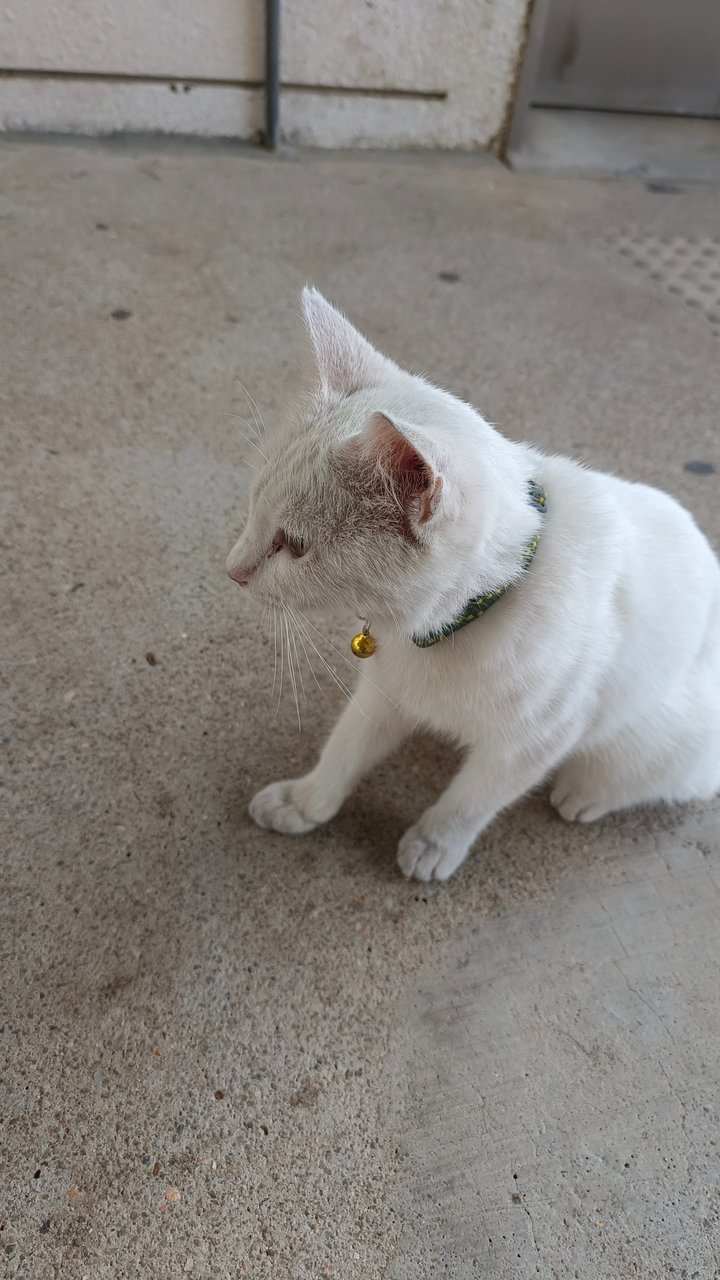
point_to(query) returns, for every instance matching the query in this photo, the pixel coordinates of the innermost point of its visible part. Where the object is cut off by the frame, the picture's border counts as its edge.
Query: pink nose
(241, 573)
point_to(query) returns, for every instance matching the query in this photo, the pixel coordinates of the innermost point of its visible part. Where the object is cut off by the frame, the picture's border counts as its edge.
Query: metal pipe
(272, 74)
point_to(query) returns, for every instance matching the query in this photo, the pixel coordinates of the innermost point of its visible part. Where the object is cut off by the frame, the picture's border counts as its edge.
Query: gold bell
(364, 645)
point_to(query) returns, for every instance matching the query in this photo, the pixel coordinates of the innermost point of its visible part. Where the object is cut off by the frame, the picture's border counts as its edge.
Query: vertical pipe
(272, 74)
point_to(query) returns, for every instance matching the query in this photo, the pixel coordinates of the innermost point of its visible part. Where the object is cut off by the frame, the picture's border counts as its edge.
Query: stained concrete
(225, 1053)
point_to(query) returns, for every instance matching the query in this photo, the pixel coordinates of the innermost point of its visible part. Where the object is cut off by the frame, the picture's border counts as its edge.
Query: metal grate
(688, 266)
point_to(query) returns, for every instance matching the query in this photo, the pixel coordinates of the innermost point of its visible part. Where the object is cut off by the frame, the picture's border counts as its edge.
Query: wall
(360, 73)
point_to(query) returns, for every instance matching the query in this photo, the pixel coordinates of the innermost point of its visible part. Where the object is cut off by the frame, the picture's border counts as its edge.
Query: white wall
(356, 72)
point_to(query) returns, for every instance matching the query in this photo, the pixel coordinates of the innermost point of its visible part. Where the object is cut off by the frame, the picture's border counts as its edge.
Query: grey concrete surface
(680, 149)
(228, 1054)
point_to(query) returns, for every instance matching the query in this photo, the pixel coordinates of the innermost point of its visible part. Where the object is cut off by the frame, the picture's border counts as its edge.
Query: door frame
(527, 79)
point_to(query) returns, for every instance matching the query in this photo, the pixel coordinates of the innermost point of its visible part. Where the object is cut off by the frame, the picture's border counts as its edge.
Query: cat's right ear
(346, 361)
(403, 459)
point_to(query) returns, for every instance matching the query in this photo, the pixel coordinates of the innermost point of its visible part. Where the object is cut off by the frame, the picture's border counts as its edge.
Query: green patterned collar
(478, 605)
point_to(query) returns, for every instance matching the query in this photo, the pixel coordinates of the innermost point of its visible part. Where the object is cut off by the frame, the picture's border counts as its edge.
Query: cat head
(382, 498)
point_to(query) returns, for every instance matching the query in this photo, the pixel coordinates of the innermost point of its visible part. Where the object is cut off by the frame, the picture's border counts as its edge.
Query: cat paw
(422, 858)
(574, 806)
(276, 808)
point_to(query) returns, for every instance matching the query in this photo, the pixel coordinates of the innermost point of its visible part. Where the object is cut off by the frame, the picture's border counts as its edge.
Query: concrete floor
(225, 1053)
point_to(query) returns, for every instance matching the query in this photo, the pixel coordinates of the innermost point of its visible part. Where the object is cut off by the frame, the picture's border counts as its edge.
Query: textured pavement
(224, 1053)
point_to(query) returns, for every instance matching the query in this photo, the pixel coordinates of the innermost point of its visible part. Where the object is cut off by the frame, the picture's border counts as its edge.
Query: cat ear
(403, 459)
(346, 361)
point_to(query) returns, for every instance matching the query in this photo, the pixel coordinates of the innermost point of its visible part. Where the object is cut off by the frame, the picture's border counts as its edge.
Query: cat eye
(296, 545)
(283, 539)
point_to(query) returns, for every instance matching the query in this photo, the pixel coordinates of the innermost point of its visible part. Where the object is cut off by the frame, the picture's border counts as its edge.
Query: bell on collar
(363, 645)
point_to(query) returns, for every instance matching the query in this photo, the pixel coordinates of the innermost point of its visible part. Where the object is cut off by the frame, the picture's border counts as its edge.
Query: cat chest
(452, 692)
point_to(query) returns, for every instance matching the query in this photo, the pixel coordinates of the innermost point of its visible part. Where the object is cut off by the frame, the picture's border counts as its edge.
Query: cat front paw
(425, 857)
(278, 808)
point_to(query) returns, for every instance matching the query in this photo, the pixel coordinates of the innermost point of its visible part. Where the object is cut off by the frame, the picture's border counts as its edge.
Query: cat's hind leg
(588, 786)
(643, 765)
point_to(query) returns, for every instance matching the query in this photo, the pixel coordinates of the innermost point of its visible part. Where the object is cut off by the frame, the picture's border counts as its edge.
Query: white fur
(601, 666)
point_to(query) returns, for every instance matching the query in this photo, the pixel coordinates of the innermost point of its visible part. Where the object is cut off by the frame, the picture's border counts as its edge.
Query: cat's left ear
(403, 458)
(346, 361)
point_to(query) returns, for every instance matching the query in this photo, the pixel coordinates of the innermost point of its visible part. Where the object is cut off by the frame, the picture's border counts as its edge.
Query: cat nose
(240, 571)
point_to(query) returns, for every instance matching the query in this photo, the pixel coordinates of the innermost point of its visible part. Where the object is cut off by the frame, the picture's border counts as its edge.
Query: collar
(478, 605)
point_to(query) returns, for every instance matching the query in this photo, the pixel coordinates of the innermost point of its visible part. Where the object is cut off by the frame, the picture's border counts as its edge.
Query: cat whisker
(256, 412)
(291, 669)
(331, 671)
(257, 416)
(307, 659)
(247, 463)
(250, 441)
(298, 620)
(251, 426)
(274, 612)
(298, 664)
(282, 671)
(349, 662)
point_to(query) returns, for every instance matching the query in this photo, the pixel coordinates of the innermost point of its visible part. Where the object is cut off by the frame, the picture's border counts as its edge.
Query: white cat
(600, 663)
